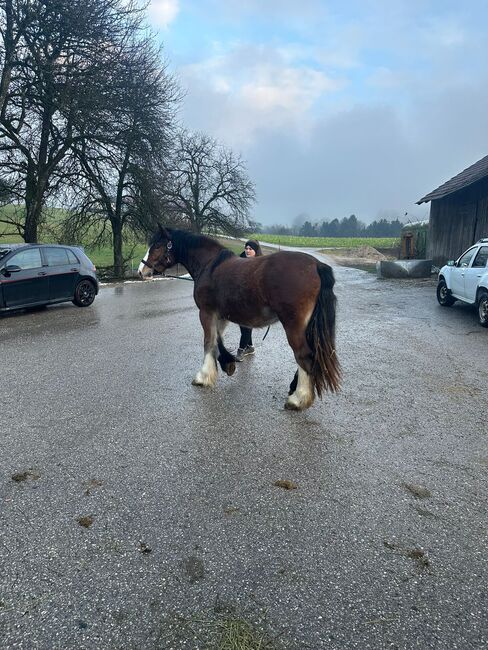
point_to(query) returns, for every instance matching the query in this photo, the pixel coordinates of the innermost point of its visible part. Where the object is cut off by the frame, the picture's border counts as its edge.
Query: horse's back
(289, 273)
(268, 274)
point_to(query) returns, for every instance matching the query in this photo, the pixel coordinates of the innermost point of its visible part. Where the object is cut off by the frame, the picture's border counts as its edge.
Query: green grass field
(328, 242)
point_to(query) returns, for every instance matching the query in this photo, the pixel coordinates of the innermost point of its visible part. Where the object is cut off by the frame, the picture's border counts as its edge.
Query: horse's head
(159, 255)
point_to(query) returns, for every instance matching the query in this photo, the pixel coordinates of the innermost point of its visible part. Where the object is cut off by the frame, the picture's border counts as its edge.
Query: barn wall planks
(457, 221)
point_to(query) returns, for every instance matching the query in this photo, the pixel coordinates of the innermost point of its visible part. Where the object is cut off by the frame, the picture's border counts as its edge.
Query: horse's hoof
(294, 404)
(230, 368)
(290, 406)
(204, 382)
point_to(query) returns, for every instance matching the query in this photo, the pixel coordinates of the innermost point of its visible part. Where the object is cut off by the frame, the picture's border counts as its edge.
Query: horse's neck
(196, 260)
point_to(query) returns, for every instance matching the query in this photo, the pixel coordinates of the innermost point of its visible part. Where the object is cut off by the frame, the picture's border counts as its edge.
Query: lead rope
(177, 277)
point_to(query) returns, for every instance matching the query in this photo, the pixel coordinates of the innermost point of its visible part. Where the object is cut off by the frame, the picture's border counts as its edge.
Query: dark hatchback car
(33, 275)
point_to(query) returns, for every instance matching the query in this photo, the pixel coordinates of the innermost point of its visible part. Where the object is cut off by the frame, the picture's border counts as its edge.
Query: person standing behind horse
(251, 249)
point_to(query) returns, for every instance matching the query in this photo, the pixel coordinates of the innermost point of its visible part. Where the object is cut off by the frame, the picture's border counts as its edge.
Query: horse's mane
(224, 254)
(184, 241)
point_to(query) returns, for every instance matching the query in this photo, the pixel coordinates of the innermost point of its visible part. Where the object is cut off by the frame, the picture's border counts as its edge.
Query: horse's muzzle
(144, 266)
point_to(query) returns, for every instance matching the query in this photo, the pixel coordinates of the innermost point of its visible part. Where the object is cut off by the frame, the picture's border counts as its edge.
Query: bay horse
(293, 288)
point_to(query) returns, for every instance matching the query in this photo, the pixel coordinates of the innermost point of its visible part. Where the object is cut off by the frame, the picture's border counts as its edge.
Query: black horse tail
(320, 333)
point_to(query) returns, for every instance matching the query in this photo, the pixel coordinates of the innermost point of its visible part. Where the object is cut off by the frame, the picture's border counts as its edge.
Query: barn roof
(467, 177)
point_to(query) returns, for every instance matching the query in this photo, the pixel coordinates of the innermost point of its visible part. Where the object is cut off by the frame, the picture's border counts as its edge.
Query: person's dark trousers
(246, 337)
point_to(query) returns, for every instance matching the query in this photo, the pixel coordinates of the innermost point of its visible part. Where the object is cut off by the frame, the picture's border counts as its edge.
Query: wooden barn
(458, 213)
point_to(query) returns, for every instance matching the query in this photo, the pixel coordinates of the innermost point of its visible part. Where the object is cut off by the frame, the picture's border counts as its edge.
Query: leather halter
(147, 264)
(167, 258)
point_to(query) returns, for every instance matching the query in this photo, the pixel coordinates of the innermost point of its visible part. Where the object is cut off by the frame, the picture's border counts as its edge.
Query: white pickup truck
(466, 279)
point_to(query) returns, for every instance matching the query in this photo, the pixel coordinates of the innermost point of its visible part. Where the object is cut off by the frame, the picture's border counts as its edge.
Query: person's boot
(240, 354)
(244, 352)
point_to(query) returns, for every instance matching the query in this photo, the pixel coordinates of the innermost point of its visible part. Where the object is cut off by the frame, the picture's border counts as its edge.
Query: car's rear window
(82, 255)
(56, 256)
(481, 258)
(72, 257)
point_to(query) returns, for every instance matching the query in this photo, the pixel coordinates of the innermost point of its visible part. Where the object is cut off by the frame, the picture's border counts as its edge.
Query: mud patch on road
(418, 491)
(86, 520)
(462, 390)
(286, 484)
(144, 548)
(28, 475)
(194, 568)
(424, 512)
(418, 555)
(91, 485)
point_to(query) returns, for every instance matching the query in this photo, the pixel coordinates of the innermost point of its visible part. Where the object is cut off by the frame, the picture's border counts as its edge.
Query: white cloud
(238, 93)
(163, 12)
(290, 89)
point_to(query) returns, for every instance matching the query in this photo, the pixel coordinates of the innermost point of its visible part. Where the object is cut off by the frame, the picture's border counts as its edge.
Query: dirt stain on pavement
(417, 554)
(285, 484)
(29, 474)
(460, 389)
(425, 513)
(194, 568)
(86, 521)
(93, 483)
(418, 491)
(144, 548)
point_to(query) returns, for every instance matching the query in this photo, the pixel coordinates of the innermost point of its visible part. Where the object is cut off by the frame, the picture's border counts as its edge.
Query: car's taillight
(94, 268)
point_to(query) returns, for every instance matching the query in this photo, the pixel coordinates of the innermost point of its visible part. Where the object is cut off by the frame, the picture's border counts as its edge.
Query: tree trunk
(117, 242)
(34, 199)
(37, 179)
(30, 228)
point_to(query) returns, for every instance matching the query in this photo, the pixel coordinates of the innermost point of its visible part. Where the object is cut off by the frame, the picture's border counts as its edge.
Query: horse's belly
(262, 318)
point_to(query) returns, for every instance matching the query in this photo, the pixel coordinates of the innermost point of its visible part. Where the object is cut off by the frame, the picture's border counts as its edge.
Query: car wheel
(84, 293)
(444, 297)
(483, 309)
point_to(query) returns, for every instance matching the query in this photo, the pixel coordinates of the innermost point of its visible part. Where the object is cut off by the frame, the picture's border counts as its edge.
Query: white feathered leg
(304, 394)
(207, 375)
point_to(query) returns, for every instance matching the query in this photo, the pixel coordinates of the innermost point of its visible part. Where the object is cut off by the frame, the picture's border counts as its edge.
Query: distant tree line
(88, 123)
(346, 227)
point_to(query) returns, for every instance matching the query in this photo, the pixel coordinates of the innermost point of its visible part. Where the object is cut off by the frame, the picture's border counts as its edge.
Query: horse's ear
(164, 232)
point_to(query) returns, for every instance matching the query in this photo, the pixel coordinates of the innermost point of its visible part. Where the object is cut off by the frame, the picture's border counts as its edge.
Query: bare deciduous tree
(207, 185)
(117, 160)
(64, 51)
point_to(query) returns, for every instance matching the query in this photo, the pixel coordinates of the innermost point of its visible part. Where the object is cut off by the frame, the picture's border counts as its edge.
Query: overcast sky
(338, 107)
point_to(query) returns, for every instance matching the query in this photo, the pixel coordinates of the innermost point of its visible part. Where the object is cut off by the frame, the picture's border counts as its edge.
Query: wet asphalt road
(382, 545)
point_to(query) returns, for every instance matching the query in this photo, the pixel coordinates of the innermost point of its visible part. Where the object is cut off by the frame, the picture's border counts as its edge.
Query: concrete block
(404, 268)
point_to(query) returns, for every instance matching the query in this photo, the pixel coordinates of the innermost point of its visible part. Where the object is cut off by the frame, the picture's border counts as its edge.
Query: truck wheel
(483, 309)
(444, 297)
